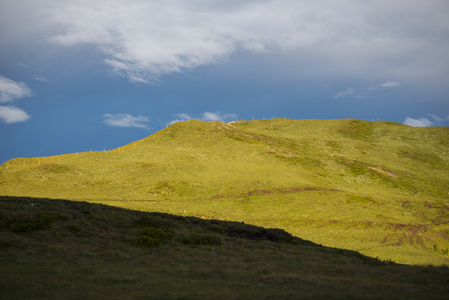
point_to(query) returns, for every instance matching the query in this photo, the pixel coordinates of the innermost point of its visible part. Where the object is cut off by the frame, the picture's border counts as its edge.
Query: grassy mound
(379, 188)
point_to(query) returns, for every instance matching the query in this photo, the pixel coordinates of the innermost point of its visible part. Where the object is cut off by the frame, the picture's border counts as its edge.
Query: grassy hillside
(380, 188)
(59, 249)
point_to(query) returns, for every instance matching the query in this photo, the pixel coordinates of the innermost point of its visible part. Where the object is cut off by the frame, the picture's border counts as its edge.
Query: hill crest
(376, 181)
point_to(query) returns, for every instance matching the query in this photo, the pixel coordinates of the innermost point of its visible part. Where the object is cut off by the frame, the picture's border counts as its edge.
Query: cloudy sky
(81, 75)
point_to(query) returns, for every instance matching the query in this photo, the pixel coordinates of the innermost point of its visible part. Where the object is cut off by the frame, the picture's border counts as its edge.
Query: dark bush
(151, 237)
(30, 223)
(151, 221)
(196, 238)
(147, 241)
(215, 228)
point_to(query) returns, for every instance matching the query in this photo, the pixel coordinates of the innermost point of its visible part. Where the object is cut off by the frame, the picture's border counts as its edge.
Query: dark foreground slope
(380, 188)
(59, 249)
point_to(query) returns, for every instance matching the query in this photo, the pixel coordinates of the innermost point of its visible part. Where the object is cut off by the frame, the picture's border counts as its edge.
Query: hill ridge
(359, 171)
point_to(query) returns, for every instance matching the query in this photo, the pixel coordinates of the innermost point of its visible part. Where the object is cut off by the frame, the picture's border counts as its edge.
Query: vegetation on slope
(376, 187)
(59, 249)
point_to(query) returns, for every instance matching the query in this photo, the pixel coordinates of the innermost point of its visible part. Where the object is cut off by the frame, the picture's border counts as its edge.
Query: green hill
(380, 188)
(59, 249)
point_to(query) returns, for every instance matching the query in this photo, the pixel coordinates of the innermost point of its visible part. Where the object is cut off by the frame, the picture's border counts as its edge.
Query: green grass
(379, 188)
(79, 250)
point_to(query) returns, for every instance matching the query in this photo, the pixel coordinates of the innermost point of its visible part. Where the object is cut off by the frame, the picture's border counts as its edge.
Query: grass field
(59, 249)
(380, 188)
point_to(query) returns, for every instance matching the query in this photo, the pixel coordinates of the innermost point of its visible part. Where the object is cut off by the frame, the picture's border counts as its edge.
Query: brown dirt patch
(279, 191)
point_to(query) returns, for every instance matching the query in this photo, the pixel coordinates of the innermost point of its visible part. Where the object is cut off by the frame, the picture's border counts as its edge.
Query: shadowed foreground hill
(59, 249)
(380, 188)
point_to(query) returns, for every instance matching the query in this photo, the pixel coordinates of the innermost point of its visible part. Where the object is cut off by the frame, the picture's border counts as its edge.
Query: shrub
(151, 221)
(151, 237)
(215, 228)
(196, 238)
(147, 241)
(29, 223)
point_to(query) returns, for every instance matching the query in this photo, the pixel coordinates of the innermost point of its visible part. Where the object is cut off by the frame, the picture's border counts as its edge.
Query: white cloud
(365, 92)
(11, 90)
(209, 116)
(179, 118)
(126, 120)
(206, 116)
(345, 93)
(437, 119)
(389, 84)
(40, 78)
(434, 120)
(420, 122)
(12, 114)
(183, 116)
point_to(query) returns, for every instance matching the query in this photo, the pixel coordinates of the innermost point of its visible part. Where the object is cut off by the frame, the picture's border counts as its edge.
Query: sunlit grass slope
(380, 188)
(59, 249)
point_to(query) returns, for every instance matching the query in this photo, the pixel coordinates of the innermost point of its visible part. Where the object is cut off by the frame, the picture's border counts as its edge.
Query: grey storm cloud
(144, 40)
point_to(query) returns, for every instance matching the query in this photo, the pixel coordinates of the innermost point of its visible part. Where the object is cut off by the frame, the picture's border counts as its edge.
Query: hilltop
(379, 188)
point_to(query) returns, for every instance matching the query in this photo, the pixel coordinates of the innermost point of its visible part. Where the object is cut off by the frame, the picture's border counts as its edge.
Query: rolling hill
(379, 188)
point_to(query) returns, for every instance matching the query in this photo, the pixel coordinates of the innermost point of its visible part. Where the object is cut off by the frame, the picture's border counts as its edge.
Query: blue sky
(81, 75)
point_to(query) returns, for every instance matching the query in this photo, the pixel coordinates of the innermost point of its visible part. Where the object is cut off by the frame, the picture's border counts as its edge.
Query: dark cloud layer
(143, 40)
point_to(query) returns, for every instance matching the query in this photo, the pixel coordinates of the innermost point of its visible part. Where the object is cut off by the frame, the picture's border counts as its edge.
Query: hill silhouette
(59, 249)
